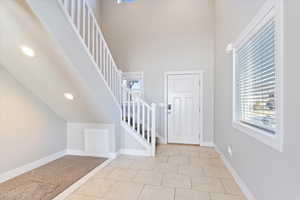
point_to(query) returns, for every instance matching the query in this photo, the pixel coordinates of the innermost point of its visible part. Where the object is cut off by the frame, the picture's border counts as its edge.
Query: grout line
(220, 179)
(175, 190)
(140, 194)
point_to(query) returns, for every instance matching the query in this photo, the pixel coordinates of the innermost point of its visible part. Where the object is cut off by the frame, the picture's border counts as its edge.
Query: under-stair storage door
(183, 108)
(96, 142)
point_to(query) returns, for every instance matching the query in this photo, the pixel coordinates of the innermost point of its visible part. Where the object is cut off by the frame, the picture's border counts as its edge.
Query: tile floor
(178, 172)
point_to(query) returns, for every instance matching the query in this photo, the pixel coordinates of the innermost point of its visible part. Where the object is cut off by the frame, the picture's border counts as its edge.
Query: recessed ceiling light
(27, 51)
(69, 96)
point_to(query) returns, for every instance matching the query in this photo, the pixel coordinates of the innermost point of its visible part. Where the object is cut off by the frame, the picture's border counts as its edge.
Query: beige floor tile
(167, 168)
(176, 181)
(97, 187)
(157, 193)
(219, 196)
(219, 172)
(121, 174)
(197, 162)
(187, 194)
(215, 162)
(209, 154)
(104, 172)
(81, 197)
(173, 151)
(156, 159)
(160, 159)
(143, 165)
(179, 160)
(121, 163)
(231, 187)
(189, 152)
(207, 184)
(124, 190)
(148, 177)
(191, 171)
(129, 157)
(206, 162)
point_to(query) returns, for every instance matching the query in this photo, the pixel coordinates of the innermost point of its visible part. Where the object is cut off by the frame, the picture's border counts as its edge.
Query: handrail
(87, 27)
(136, 113)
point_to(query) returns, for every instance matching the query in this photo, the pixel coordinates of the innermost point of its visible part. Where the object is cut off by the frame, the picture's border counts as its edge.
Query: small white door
(183, 108)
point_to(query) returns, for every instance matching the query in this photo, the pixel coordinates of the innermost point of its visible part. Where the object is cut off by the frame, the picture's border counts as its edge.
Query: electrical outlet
(229, 150)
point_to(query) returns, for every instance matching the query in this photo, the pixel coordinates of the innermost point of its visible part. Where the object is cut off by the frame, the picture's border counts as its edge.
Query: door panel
(183, 111)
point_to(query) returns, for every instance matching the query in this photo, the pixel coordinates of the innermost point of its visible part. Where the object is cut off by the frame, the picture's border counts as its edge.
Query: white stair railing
(84, 22)
(140, 116)
(136, 113)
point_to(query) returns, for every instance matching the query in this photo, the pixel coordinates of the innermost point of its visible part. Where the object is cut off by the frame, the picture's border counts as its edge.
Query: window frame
(138, 76)
(271, 9)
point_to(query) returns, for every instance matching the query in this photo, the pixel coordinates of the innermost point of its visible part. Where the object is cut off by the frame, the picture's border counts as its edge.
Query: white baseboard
(237, 178)
(30, 166)
(161, 140)
(207, 144)
(82, 153)
(134, 152)
(81, 181)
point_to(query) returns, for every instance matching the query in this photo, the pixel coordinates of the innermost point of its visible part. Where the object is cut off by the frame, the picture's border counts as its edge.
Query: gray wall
(270, 175)
(156, 36)
(29, 130)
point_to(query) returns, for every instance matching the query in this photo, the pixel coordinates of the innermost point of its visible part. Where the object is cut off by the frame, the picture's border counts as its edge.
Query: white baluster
(105, 58)
(123, 104)
(110, 72)
(93, 39)
(83, 21)
(133, 113)
(101, 56)
(153, 128)
(97, 48)
(128, 105)
(148, 125)
(113, 81)
(120, 85)
(66, 2)
(143, 123)
(89, 31)
(73, 11)
(139, 116)
(78, 14)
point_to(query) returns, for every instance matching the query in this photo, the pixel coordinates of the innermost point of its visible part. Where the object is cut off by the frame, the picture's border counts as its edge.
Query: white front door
(183, 108)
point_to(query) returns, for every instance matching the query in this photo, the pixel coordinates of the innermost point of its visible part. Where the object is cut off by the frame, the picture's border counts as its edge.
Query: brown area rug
(46, 182)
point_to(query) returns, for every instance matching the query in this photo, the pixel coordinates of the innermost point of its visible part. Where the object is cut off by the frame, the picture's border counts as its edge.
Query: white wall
(270, 175)
(75, 135)
(158, 36)
(29, 130)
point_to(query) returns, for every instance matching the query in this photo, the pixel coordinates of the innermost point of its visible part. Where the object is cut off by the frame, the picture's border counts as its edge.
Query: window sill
(260, 135)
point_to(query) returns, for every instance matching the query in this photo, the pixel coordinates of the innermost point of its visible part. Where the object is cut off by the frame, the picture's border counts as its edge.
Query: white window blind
(256, 79)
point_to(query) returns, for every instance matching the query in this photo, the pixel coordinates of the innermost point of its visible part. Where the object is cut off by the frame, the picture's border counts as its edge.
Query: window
(135, 82)
(257, 77)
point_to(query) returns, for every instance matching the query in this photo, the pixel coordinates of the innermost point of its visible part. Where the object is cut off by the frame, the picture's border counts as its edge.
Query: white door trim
(200, 73)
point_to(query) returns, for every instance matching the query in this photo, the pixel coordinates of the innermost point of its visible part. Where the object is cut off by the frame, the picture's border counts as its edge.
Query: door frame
(201, 76)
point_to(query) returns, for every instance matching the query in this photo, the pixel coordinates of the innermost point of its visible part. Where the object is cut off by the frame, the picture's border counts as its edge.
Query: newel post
(153, 128)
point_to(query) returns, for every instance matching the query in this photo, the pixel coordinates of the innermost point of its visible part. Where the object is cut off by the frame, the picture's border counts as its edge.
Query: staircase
(137, 116)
